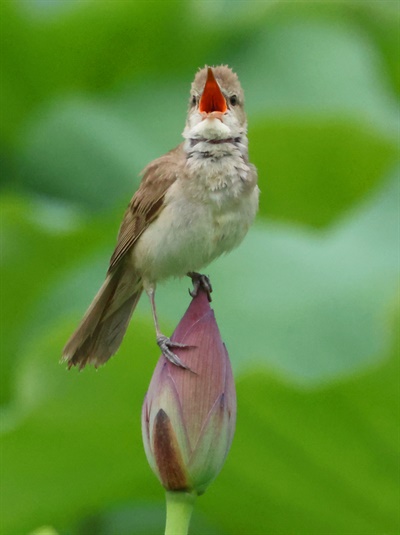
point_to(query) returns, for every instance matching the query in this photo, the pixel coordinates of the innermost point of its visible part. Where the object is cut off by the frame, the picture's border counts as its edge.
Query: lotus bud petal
(189, 416)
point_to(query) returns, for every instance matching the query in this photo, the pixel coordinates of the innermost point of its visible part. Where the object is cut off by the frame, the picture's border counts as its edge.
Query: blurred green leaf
(91, 47)
(326, 457)
(313, 169)
(320, 67)
(95, 47)
(381, 21)
(40, 241)
(313, 461)
(81, 152)
(138, 519)
(44, 530)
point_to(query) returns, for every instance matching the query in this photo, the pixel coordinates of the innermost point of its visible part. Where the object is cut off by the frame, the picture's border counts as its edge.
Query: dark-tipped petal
(167, 454)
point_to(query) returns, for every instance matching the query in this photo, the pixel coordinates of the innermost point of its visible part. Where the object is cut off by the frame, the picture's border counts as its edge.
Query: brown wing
(148, 201)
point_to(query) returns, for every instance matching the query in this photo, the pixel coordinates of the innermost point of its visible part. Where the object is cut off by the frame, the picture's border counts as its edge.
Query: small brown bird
(194, 203)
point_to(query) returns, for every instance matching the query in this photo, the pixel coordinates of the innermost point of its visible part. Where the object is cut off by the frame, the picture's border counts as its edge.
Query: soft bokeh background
(91, 92)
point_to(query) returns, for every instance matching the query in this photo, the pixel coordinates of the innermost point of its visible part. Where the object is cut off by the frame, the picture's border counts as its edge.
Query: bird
(194, 203)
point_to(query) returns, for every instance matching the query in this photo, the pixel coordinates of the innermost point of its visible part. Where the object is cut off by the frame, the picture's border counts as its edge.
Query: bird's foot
(165, 344)
(200, 281)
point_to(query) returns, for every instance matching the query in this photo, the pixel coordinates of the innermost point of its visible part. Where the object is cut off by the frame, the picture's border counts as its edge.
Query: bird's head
(216, 105)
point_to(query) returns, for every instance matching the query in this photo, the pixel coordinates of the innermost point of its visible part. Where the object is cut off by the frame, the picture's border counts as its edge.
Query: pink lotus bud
(188, 417)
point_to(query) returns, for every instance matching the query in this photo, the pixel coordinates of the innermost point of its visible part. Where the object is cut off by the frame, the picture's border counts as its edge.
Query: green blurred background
(91, 91)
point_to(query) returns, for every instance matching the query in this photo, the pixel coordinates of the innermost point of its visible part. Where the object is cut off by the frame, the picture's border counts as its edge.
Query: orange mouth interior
(212, 99)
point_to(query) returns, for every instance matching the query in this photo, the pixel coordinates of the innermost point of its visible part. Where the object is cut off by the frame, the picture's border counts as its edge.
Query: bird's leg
(200, 281)
(164, 343)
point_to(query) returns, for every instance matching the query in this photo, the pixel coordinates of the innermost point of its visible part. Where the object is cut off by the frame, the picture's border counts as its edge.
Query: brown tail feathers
(102, 329)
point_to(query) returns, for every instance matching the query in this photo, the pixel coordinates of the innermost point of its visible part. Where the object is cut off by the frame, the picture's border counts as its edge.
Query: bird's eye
(233, 100)
(194, 100)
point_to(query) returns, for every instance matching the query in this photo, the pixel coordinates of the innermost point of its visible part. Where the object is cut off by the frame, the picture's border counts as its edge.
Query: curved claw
(200, 281)
(165, 344)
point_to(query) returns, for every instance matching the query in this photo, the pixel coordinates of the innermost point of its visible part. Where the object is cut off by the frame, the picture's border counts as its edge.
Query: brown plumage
(147, 203)
(194, 203)
(102, 329)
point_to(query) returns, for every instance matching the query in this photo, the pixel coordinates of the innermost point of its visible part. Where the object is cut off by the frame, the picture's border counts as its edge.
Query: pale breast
(204, 217)
(228, 186)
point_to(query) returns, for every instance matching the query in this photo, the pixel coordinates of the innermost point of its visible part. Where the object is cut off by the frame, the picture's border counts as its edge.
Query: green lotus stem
(179, 511)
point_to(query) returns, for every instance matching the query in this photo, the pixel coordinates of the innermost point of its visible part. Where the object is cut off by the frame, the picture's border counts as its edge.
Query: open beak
(212, 102)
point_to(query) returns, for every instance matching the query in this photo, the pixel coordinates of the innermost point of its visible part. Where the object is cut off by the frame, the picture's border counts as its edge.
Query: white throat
(210, 128)
(211, 138)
